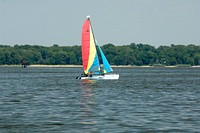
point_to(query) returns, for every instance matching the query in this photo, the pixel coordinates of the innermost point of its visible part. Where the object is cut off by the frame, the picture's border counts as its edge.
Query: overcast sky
(120, 22)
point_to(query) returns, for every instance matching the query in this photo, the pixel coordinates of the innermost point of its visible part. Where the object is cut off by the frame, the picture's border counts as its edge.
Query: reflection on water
(87, 103)
(87, 83)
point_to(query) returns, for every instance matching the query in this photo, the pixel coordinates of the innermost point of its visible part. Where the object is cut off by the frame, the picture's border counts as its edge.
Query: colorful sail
(89, 53)
(106, 66)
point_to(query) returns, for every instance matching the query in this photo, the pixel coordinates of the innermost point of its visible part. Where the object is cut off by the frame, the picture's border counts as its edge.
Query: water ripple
(142, 100)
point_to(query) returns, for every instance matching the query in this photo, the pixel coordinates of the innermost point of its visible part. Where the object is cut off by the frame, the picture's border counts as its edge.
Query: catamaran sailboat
(91, 65)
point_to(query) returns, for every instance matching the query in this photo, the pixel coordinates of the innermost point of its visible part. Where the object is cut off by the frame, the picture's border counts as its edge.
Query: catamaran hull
(101, 77)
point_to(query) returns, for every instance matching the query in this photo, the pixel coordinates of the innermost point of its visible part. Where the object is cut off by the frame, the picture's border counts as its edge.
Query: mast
(88, 18)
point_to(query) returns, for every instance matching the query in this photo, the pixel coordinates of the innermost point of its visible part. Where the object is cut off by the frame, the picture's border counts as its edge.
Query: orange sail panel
(89, 53)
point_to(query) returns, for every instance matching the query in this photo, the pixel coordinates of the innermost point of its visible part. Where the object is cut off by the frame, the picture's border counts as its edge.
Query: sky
(120, 22)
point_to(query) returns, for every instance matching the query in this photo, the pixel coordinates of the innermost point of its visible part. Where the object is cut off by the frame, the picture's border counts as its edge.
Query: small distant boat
(91, 66)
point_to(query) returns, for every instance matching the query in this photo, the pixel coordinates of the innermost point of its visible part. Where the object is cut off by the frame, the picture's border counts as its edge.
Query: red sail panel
(85, 43)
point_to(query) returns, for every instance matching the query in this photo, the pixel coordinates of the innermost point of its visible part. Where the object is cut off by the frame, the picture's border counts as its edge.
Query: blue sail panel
(106, 66)
(95, 65)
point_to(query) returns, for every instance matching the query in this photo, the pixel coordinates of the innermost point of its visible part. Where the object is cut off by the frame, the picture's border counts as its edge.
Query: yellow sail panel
(92, 52)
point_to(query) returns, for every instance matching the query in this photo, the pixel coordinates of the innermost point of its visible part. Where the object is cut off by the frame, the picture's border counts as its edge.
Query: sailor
(90, 74)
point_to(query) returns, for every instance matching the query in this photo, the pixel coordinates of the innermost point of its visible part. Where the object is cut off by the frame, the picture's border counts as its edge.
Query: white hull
(102, 77)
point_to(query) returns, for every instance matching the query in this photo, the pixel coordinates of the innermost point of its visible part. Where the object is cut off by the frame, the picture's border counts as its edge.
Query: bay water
(142, 100)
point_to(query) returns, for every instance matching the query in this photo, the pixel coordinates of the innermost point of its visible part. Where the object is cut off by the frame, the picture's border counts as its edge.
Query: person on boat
(90, 74)
(102, 72)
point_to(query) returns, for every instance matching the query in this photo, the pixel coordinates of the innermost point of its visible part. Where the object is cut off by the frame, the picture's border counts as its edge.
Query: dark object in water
(24, 63)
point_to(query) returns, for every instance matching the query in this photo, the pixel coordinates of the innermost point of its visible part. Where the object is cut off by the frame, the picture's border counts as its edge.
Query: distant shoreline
(114, 66)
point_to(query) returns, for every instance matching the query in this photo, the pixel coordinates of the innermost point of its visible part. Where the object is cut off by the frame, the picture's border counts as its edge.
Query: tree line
(133, 54)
